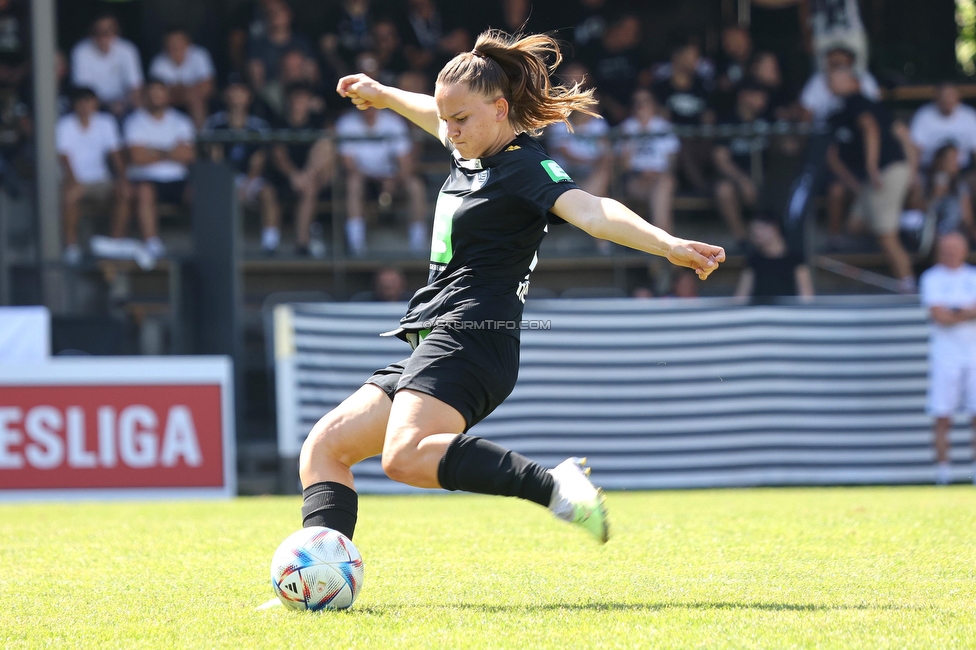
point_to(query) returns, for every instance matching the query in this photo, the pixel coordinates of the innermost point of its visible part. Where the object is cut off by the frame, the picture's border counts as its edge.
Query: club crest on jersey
(479, 180)
(556, 173)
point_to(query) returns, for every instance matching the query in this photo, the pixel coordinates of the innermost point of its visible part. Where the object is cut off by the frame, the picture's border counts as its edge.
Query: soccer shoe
(576, 500)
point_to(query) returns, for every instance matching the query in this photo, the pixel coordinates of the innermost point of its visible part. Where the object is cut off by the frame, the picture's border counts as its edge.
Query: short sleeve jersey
(238, 154)
(850, 140)
(490, 218)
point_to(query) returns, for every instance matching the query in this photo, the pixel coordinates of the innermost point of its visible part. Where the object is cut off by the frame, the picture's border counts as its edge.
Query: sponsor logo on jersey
(556, 173)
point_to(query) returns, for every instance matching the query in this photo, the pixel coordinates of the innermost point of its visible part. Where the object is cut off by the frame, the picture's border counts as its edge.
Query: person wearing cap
(248, 159)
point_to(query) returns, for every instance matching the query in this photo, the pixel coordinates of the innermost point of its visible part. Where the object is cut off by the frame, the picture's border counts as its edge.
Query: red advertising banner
(145, 429)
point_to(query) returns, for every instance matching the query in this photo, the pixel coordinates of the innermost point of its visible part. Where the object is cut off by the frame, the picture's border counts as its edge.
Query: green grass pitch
(806, 568)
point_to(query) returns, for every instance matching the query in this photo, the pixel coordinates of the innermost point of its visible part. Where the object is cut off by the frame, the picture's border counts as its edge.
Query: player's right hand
(364, 91)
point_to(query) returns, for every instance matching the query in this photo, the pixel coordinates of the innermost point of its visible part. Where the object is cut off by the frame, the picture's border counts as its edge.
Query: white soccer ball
(317, 568)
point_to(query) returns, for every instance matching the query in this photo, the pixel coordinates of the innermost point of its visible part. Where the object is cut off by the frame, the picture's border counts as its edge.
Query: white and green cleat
(576, 500)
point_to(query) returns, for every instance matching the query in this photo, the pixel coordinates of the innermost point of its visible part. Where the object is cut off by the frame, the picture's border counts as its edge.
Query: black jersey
(490, 218)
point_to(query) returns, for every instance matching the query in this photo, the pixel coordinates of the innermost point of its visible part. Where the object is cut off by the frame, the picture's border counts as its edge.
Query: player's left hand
(699, 257)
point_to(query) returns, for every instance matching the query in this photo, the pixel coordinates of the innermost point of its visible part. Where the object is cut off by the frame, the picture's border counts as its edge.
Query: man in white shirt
(817, 99)
(109, 65)
(389, 163)
(87, 141)
(188, 71)
(160, 142)
(948, 290)
(945, 121)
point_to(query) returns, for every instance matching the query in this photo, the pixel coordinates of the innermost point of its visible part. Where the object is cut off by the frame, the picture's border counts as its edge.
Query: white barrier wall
(666, 393)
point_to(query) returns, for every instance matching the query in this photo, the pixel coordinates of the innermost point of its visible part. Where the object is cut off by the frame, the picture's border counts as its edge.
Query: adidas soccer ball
(317, 568)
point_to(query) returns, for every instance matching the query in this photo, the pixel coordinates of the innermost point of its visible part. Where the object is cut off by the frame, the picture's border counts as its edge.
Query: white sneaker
(576, 500)
(943, 474)
(270, 238)
(71, 255)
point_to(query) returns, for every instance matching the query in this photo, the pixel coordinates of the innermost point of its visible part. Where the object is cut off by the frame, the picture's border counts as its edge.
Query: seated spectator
(295, 68)
(390, 62)
(266, 50)
(249, 160)
(188, 71)
(347, 33)
(944, 121)
(732, 65)
(781, 106)
(648, 152)
(816, 98)
(15, 55)
(684, 96)
(868, 155)
(303, 169)
(590, 22)
(733, 160)
(431, 37)
(616, 62)
(160, 140)
(583, 152)
(109, 65)
(248, 22)
(389, 285)
(772, 269)
(389, 163)
(947, 195)
(87, 141)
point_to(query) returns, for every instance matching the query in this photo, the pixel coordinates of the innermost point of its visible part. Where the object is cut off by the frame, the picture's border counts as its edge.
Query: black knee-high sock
(474, 464)
(332, 505)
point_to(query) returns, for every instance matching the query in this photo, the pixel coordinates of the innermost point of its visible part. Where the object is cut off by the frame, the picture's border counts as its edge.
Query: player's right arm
(416, 107)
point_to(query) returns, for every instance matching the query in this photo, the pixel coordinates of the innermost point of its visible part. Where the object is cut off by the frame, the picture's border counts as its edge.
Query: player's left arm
(609, 219)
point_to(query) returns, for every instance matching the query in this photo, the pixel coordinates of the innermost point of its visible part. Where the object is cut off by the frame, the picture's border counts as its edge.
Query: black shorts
(470, 370)
(173, 192)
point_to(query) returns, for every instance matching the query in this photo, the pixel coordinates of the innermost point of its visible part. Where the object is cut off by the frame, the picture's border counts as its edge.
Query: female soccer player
(491, 215)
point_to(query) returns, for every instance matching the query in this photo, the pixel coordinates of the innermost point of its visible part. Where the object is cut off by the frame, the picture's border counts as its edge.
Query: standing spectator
(944, 121)
(266, 50)
(947, 196)
(648, 153)
(161, 145)
(732, 65)
(14, 43)
(109, 65)
(948, 290)
(772, 269)
(591, 22)
(248, 23)
(733, 159)
(818, 100)
(868, 155)
(616, 63)
(188, 71)
(388, 162)
(684, 95)
(304, 169)
(249, 160)
(87, 140)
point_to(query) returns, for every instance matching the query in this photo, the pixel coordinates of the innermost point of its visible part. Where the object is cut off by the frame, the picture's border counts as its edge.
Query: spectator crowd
(129, 133)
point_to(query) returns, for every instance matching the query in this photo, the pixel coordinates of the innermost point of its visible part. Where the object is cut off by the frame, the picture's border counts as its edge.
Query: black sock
(474, 464)
(332, 505)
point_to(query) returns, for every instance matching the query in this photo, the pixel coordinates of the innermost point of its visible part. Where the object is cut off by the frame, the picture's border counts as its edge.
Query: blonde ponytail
(518, 68)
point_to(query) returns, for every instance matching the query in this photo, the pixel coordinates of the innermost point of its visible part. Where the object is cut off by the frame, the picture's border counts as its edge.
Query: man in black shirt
(249, 160)
(303, 169)
(868, 155)
(733, 158)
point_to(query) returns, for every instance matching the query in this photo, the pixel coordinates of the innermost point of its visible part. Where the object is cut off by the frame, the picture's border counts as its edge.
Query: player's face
(476, 125)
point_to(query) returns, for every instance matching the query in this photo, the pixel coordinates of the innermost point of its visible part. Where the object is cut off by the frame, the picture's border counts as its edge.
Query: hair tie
(479, 54)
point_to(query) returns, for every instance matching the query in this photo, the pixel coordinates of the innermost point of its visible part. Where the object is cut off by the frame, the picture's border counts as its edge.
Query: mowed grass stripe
(775, 568)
